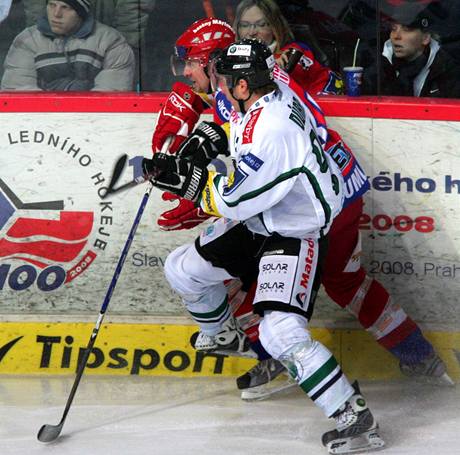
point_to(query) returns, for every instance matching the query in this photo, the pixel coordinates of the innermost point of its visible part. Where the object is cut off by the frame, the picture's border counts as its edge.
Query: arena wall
(59, 242)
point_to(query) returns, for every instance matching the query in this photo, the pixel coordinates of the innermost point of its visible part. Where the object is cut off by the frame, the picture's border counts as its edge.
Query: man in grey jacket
(129, 17)
(69, 51)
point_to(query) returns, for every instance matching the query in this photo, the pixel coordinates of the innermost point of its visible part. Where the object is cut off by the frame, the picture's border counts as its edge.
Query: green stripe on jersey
(212, 314)
(281, 178)
(320, 196)
(319, 375)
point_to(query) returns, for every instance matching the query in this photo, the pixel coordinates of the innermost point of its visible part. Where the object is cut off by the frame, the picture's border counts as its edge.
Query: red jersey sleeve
(311, 75)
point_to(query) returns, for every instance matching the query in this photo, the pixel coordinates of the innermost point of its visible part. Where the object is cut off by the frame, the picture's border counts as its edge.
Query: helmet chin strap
(240, 101)
(209, 91)
(206, 72)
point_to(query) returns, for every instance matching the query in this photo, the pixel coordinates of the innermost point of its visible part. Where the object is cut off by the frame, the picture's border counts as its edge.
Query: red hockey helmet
(199, 41)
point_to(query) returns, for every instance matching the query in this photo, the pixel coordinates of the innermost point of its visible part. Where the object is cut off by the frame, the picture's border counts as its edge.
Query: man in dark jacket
(413, 62)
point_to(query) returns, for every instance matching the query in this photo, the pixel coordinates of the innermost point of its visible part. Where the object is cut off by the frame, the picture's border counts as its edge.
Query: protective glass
(212, 73)
(224, 81)
(178, 64)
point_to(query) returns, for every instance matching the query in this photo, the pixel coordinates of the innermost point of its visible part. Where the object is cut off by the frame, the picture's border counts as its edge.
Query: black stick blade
(49, 433)
(116, 174)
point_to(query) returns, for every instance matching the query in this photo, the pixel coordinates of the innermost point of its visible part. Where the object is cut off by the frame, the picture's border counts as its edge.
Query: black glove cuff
(195, 183)
(206, 142)
(215, 136)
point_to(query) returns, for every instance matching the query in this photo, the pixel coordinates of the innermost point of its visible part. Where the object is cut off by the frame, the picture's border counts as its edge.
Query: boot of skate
(260, 381)
(230, 340)
(356, 429)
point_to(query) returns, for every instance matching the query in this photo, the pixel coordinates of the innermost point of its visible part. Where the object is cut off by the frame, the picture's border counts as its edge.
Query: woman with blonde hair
(262, 19)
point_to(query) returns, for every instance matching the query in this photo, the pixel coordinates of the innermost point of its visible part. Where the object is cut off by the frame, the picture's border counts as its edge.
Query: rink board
(60, 242)
(164, 350)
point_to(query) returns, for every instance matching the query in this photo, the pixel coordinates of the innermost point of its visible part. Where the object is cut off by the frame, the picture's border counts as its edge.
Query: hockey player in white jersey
(344, 279)
(276, 210)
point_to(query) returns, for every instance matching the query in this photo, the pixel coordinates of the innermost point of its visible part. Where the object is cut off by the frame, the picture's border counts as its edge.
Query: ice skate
(231, 340)
(357, 430)
(261, 381)
(431, 370)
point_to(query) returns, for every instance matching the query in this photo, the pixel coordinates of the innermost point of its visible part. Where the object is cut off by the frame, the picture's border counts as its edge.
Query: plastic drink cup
(353, 80)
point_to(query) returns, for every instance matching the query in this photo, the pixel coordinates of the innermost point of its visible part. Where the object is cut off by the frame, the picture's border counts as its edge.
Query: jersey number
(322, 161)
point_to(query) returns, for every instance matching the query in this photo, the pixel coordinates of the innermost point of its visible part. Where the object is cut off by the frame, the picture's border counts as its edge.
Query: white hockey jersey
(283, 181)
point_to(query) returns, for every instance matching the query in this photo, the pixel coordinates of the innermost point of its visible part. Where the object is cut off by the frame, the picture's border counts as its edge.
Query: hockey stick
(116, 174)
(48, 432)
(118, 170)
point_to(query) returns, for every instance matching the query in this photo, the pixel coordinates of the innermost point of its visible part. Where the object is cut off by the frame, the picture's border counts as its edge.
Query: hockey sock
(411, 349)
(257, 347)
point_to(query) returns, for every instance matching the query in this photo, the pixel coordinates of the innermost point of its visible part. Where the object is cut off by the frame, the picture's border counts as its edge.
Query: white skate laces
(356, 429)
(204, 342)
(230, 340)
(349, 412)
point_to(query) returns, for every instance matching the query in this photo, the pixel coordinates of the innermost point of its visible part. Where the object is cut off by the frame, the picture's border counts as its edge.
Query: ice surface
(166, 416)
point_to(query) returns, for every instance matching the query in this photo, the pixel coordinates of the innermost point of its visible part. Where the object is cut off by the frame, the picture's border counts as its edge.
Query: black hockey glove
(177, 175)
(205, 143)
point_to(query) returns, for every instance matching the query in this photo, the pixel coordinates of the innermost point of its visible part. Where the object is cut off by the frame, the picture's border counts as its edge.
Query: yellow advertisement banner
(164, 350)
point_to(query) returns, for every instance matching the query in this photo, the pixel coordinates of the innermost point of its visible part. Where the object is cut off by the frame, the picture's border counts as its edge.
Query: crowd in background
(405, 47)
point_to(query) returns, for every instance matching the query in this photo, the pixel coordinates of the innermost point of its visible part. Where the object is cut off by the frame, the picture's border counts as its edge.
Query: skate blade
(442, 381)
(364, 442)
(445, 380)
(249, 354)
(262, 392)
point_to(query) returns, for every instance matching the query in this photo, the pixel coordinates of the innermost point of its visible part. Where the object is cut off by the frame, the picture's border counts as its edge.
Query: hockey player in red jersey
(345, 280)
(185, 103)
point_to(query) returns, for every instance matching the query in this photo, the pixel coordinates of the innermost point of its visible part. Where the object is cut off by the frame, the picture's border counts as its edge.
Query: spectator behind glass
(262, 19)
(129, 17)
(412, 62)
(4, 10)
(69, 51)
